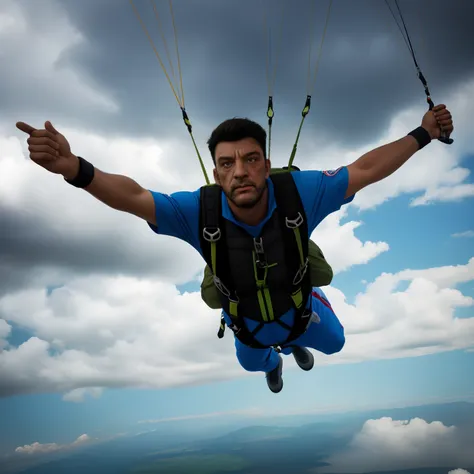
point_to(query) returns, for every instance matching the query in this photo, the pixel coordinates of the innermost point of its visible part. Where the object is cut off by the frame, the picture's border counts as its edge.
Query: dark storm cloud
(363, 77)
(31, 251)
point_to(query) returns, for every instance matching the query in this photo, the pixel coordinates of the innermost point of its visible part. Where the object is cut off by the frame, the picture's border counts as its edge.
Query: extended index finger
(24, 127)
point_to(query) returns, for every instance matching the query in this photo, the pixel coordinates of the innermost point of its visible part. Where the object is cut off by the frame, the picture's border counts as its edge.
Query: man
(248, 206)
(320, 272)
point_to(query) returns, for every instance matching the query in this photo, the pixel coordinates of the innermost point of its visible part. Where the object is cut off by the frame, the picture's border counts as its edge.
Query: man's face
(241, 171)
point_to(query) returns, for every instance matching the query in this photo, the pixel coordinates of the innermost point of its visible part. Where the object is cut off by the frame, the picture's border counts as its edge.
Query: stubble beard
(247, 204)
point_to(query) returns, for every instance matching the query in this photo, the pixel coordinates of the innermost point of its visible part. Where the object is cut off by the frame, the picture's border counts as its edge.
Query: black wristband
(422, 136)
(85, 175)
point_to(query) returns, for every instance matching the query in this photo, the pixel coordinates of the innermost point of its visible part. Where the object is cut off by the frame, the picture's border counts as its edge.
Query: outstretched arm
(50, 150)
(121, 193)
(381, 162)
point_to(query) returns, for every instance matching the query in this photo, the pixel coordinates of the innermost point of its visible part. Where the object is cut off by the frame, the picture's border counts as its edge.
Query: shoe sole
(280, 388)
(306, 366)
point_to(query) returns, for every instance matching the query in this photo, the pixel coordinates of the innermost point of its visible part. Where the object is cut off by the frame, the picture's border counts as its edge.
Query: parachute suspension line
(165, 44)
(398, 24)
(316, 68)
(310, 85)
(271, 82)
(179, 99)
(190, 130)
(186, 120)
(443, 138)
(156, 52)
(177, 52)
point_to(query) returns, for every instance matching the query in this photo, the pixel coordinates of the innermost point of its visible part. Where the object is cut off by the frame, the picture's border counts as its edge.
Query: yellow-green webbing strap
(298, 294)
(304, 113)
(187, 122)
(299, 243)
(233, 305)
(263, 293)
(179, 91)
(310, 84)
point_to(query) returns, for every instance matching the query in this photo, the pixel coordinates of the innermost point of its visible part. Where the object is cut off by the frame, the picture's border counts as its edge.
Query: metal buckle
(235, 328)
(261, 261)
(220, 286)
(301, 273)
(211, 236)
(294, 223)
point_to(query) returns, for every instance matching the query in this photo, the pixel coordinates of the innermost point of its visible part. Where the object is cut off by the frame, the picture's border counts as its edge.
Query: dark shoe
(303, 357)
(274, 379)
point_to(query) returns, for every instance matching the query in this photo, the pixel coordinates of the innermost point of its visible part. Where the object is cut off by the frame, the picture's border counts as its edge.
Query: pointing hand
(49, 149)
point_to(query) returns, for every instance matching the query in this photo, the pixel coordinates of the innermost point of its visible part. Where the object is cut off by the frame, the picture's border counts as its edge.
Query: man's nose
(240, 168)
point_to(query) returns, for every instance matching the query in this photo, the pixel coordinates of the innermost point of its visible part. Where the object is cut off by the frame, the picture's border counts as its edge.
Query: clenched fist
(438, 122)
(49, 149)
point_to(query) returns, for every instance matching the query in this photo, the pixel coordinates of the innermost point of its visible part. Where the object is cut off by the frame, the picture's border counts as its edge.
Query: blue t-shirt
(177, 215)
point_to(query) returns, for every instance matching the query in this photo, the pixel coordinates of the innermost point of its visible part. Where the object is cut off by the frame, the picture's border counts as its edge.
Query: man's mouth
(244, 188)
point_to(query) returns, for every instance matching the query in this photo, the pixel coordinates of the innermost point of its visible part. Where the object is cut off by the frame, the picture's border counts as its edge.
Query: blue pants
(326, 335)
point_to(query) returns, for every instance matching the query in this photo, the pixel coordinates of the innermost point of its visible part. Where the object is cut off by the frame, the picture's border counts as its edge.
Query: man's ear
(216, 177)
(268, 166)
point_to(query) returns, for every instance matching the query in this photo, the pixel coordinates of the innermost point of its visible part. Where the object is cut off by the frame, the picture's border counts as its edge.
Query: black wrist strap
(85, 175)
(422, 136)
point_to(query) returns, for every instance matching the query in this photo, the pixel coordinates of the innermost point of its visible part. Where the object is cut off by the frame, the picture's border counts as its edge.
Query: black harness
(259, 278)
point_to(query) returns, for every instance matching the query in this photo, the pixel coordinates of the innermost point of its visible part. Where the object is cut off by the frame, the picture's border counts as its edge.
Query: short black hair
(235, 129)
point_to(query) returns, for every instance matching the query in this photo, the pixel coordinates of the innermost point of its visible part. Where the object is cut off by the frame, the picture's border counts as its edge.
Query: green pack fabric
(320, 271)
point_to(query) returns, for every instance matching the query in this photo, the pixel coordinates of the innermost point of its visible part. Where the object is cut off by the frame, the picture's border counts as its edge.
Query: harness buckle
(294, 223)
(301, 272)
(261, 261)
(235, 329)
(211, 234)
(220, 286)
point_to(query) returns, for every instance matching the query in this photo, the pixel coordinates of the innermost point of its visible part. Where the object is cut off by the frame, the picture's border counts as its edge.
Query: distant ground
(251, 450)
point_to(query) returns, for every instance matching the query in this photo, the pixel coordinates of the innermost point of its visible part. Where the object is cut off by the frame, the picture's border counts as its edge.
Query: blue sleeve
(322, 193)
(177, 215)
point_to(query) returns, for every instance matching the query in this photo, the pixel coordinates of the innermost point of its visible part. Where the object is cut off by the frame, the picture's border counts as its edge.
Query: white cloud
(445, 194)
(467, 233)
(418, 321)
(116, 331)
(79, 394)
(387, 444)
(36, 448)
(39, 448)
(340, 245)
(98, 332)
(444, 277)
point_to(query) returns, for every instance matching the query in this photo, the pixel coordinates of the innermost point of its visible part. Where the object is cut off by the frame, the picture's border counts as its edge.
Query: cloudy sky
(101, 322)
